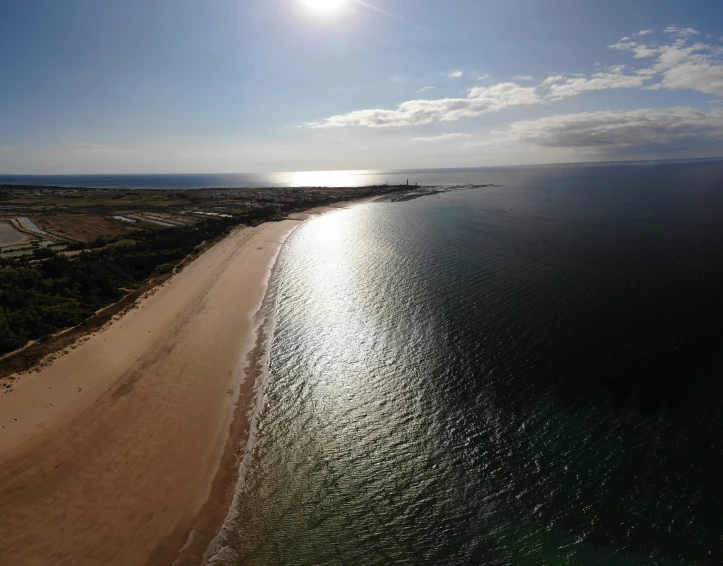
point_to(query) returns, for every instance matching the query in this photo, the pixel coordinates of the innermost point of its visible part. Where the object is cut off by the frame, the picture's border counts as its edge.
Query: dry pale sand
(108, 454)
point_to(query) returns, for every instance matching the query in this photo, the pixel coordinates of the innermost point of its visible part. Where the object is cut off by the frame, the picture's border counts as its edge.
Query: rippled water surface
(527, 374)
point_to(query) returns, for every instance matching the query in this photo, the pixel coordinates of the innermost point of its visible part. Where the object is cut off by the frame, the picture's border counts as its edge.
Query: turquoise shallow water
(527, 374)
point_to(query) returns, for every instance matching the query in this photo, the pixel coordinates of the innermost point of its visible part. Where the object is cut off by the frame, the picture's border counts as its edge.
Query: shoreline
(201, 544)
(119, 467)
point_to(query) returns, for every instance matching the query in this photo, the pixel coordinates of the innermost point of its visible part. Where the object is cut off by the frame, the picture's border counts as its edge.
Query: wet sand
(111, 454)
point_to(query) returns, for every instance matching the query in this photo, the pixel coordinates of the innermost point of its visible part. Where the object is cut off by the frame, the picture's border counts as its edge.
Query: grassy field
(82, 227)
(89, 199)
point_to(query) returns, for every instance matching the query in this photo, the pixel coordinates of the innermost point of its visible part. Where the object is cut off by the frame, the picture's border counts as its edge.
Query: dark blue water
(528, 374)
(312, 178)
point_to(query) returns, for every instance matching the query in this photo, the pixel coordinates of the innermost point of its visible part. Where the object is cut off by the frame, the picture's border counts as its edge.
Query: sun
(324, 6)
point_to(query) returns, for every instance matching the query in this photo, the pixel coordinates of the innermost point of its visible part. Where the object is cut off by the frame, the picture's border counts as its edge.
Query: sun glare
(324, 6)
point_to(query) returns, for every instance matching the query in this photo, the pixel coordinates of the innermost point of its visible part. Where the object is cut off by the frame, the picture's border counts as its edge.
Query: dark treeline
(39, 298)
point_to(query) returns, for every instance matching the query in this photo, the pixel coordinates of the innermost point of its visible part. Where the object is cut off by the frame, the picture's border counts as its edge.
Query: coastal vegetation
(38, 298)
(46, 291)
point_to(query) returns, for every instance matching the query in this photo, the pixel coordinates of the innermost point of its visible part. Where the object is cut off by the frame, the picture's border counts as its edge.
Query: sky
(247, 86)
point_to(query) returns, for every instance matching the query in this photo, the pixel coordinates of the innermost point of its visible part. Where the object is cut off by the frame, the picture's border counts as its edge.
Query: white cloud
(681, 32)
(562, 87)
(483, 77)
(481, 144)
(481, 100)
(681, 64)
(455, 75)
(642, 32)
(426, 89)
(442, 137)
(524, 78)
(623, 131)
(639, 51)
(697, 66)
(700, 75)
(552, 79)
(504, 94)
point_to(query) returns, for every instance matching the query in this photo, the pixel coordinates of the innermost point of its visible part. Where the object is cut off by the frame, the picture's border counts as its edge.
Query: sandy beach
(109, 453)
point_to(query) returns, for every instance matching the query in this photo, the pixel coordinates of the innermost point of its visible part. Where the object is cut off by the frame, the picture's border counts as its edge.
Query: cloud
(562, 87)
(455, 75)
(639, 51)
(701, 76)
(623, 131)
(426, 89)
(524, 78)
(681, 65)
(481, 144)
(480, 100)
(483, 77)
(681, 32)
(642, 32)
(442, 137)
(552, 79)
(697, 67)
(6, 147)
(684, 63)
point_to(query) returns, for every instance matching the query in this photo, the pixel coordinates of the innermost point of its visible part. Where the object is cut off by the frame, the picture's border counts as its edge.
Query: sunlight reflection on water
(329, 178)
(476, 377)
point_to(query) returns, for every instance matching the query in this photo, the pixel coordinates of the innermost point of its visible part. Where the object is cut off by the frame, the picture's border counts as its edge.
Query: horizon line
(372, 171)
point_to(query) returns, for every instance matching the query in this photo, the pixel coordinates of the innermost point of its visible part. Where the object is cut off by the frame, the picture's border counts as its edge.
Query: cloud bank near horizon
(619, 132)
(681, 61)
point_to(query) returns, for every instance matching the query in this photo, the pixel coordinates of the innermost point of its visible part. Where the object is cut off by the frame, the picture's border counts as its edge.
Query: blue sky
(91, 86)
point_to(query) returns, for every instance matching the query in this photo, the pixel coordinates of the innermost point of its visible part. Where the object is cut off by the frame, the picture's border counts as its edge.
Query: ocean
(527, 374)
(319, 178)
